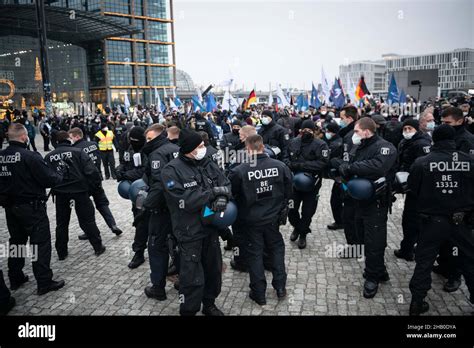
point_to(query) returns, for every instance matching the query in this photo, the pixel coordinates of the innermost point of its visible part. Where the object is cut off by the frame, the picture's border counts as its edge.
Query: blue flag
(337, 95)
(197, 104)
(211, 104)
(393, 94)
(403, 97)
(315, 102)
(178, 102)
(300, 103)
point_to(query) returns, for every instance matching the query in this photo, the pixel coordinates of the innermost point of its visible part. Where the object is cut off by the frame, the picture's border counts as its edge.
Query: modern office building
(373, 72)
(99, 50)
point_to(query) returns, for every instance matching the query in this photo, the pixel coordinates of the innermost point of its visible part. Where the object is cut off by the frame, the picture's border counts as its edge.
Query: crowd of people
(265, 165)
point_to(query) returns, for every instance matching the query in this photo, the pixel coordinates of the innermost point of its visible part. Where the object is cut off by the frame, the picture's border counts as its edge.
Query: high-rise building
(373, 72)
(99, 50)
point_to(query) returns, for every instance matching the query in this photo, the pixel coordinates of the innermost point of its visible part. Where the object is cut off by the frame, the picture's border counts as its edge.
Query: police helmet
(303, 182)
(222, 219)
(124, 188)
(135, 188)
(360, 189)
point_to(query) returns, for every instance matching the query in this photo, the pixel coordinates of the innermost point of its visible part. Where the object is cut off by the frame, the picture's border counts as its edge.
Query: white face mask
(408, 136)
(465, 113)
(201, 153)
(105, 129)
(328, 136)
(324, 113)
(356, 139)
(266, 121)
(430, 126)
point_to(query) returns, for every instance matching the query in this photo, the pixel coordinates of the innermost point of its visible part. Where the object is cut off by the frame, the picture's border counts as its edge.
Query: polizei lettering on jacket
(263, 174)
(8, 159)
(59, 156)
(91, 148)
(450, 167)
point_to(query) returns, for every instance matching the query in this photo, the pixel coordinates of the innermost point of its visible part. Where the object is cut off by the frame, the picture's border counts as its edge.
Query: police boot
(259, 301)
(212, 311)
(117, 231)
(334, 227)
(4, 309)
(53, 286)
(155, 292)
(281, 293)
(100, 251)
(370, 288)
(137, 260)
(83, 237)
(294, 235)
(452, 285)
(302, 241)
(418, 307)
(16, 284)
(406, 256)
(442, 271)
(384, 278)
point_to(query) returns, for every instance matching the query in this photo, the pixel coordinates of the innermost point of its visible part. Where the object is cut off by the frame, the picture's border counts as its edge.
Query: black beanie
(443, 132)
(237, 123)
(188, 141)
(267, 113)
(333, 127)
(308, 124)
(412, 123)
(137, 134)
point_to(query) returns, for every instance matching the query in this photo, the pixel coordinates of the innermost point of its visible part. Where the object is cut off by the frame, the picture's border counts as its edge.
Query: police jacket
(373, 159)
(132, 167)
(290, 124)
(464, 140)
(203, 125)
(118, 141)
(188, 187)
(160, 151)
(309, 157)
(214, 155)
(82, 174)
(261, 190)
(24, 174)
(275, 136)
(335, 146)
(91, 149)
(346, 134)
(443, 181)
(229, 141)
(409, 150)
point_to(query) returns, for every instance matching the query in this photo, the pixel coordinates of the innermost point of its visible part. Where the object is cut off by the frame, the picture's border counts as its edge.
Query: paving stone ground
(317, 284)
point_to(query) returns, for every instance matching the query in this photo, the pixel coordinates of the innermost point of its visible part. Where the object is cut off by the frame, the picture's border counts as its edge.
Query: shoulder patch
(325, 153)
(155, 164)
(426, 149)
(170, 184)
(385, 151)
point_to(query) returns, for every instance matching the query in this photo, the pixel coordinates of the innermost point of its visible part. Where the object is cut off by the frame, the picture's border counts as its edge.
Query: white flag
(270, 99)
(165, 95)
(282, 101)
(325, 85)
(126, 102)
(157, 101)
(351, 89)
(173, 105)
(229, 102)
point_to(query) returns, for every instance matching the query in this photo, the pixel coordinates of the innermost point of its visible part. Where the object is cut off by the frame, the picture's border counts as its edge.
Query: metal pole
(43, 44)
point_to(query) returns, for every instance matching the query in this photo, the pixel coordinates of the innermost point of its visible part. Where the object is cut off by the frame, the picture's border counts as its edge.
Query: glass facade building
(101, 71)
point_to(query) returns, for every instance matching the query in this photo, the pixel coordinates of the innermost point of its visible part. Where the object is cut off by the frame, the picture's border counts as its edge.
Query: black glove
(219, 204)
(220, 191)
(335, 162)
(296, 166)
(344, 170)
(283, 217)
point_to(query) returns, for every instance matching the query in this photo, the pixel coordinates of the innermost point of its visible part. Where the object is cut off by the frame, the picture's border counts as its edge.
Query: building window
(157, 9)
(119, 6)
(141, 76)
(121, 75)
(138, 7)
(158, 31)
(119, 51)
(160, 76)
(140, 49)
(140, 24)
(159, 54)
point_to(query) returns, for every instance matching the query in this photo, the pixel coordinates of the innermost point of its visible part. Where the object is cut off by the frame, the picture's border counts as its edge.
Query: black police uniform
(464, 140)
(214, 155)
(100, 198)
(275, 135)
(82, 177)
(203, 125)
(160, 151)
(306, 156)
(188, 188)
(23, 178)
(119, 142)
(373, 159)
(261, 192)
(408, 151)
(443, 183)
(336, 147)
(229, 142)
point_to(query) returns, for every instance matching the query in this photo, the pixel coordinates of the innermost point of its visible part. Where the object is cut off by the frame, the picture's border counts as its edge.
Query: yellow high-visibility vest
(105, 141)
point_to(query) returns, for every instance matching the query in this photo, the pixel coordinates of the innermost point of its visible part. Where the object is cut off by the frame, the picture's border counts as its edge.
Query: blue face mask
(328, 136)
(342, 124)
(430, 126)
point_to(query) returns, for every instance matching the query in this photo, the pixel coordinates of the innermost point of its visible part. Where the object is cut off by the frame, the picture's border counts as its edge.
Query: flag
(361, 90)
(126, 103)
(403, 97)
(178, 102)
(302, 102)
(282, 101)
(229, 102)
(351, 89)
(270, 99)
(325, 85)
(165, 95)
(393, 94)
(173, 105)
(157, 101)
(252, 99)
(197, 104)
(211, 104)
(337, 95)
(315, 102)
(199, 95)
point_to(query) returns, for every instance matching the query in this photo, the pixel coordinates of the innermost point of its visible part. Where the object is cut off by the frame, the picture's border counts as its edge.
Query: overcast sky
(281, 41)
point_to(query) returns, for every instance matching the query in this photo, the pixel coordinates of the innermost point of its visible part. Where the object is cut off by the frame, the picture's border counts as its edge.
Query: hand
(220, 191)
(62, 168)
(219, 204)
(283, 217)
(139, 217)
(344, 170)
(335, 162)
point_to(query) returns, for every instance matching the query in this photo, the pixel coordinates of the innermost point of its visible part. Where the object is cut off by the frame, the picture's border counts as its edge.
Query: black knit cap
(412, 123)
(267, 113)
(308, 124)
(333, 127)
(137, 134)
(443, 132)
(188, 141)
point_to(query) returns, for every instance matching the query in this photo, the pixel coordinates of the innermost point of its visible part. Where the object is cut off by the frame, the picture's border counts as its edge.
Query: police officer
(334, 141)
(76, 136)
(415, 144)
(274, 135)
(443, 183)
(23, 179)
(202, 124)
(173, 134)
(159, 151)
(119, 131)
(133, 169)
(192, 181)
(105, 138)
(231, 139)
(464, 139)
(308, 155)
(373, 158)
(82, 177)
(262, 188)
(211, 152)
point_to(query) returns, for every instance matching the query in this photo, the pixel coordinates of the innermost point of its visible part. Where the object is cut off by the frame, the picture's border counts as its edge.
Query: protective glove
(344, 170)
(220, 191)
(219, 204)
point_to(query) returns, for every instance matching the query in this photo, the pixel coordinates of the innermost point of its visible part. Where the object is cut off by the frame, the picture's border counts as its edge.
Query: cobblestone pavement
(317, 284)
